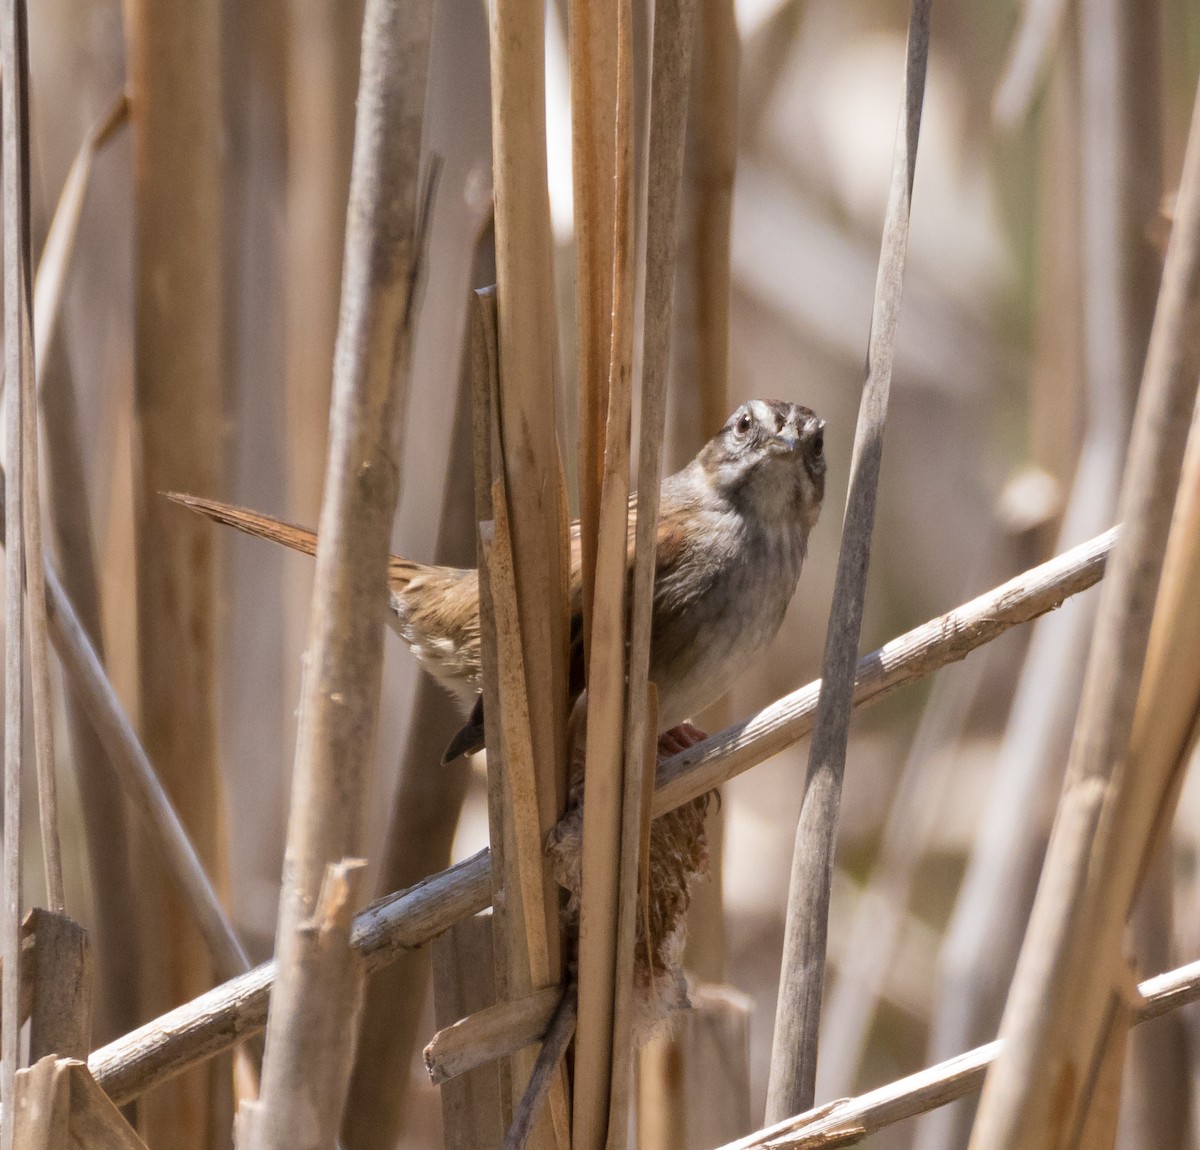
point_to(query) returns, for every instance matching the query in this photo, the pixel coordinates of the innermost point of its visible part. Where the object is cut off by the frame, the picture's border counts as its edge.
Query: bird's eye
(743, 423)
(818, 443)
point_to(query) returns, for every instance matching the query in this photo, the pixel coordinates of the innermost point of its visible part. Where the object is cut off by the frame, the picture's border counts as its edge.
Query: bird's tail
(401, 571)
(251, 522)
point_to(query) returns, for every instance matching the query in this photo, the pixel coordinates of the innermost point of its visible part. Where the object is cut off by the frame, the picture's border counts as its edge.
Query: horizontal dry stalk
(849, 1120)
(490, 1033)
(232, 1012)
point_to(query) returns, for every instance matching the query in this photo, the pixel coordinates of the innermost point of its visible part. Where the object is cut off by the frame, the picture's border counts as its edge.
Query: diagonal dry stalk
(797, 1020)
(847, 1121)
(306, 1072)
(106, 823)
(1070, 964)
(18, 359)
(237, 1009)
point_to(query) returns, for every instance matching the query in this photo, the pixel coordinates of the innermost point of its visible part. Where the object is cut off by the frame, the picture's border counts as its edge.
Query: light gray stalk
(315, 1002)
(797, 1021)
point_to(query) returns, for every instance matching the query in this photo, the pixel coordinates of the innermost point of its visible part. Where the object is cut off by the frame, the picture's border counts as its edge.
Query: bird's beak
(785, 443)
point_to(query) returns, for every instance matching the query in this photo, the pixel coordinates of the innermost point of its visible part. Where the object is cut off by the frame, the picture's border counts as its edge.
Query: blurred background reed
(194, 352)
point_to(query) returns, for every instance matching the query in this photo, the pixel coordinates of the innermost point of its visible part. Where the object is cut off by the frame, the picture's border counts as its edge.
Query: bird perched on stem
(732, 534)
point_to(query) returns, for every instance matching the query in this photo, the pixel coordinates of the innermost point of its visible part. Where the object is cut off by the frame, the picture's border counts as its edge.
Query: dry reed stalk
(592, 31)
(710, 163)
(59, 246)
(315, 1001)
(671, 54)
(231, 1012)
(545, 1071)
(424, 816)
(179, 332)
(18, 363)
(488, 1034)
(531, 469)
(137, 777)
(873, 940)
(1067, 973)
(39, 655)
(113, 927)
(60, 1015)
(59, 1104)
(323, 45)
(464, 966)
(605, 762)
(699, 356)
(849, 1120)
(1029, 54)
(983, 939)
(794, 1049)
(323, 41)
(485, 390)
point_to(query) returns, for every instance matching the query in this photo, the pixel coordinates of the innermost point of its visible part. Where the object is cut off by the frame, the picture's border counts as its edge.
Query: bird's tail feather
(251, 522)
(400, 571)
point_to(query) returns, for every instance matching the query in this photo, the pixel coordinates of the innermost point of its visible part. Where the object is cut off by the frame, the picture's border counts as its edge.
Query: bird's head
(770, 453)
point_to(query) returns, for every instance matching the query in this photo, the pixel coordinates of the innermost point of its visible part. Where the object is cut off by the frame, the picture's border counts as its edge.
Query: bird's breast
(708, 631)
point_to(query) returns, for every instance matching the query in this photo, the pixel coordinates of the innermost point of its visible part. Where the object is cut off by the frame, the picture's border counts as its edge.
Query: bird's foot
(679, 738)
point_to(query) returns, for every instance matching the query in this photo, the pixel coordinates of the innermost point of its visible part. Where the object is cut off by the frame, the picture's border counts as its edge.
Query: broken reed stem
(669, 83)
(231, 1012)
(306, 1074)
(14, 126)
(489, 1034)
(605, 762)
(848, 1121)
(797, 1021)
(1070, 962)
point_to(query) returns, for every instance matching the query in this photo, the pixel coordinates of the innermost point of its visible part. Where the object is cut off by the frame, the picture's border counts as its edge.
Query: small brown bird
(732, 533)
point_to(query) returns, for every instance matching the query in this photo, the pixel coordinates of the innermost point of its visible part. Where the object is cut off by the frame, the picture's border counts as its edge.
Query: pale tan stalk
(315, 1003)
(592, 27)
(669, 86)
(113, 927)
(18, 363)
(605, 758)
(532, 472)
(1060, 1003)
(175, 96)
